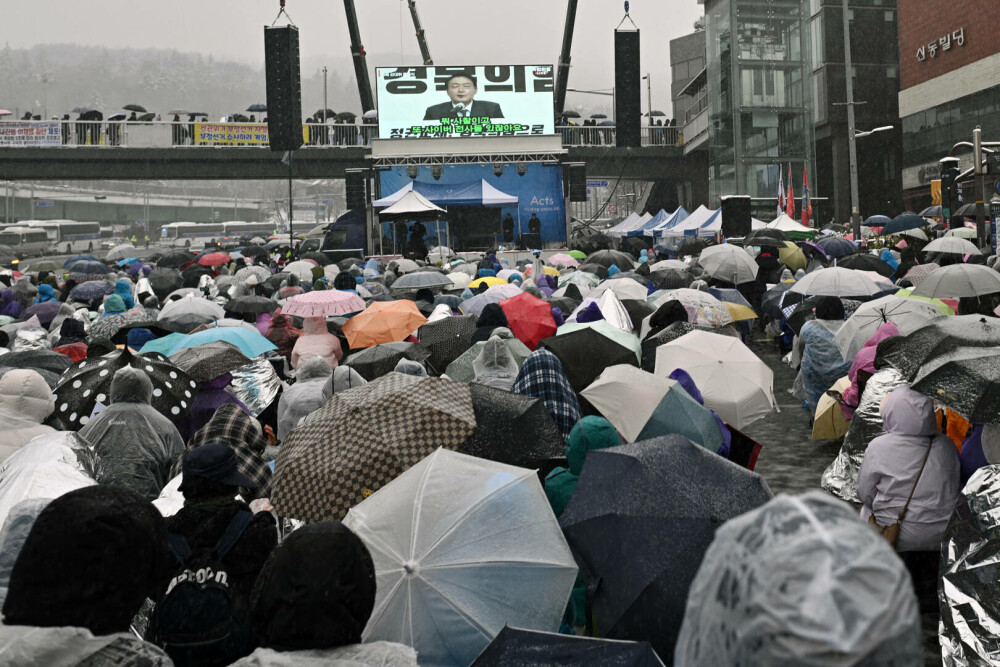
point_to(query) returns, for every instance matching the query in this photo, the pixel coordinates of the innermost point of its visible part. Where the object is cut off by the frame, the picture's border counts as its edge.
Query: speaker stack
(284, 95)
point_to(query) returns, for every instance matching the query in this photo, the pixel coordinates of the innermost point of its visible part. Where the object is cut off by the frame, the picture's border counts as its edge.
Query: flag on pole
(790, 196)
(781, 191)
(807, 207)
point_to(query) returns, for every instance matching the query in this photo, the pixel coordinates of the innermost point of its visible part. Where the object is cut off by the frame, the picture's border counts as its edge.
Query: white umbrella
(614, 312)
(732, 380)
(258, 241)
(959, 280)
(627, 397)
(462, 547)
(459, 279)
(952, 244)
(301, 268)
(404, 265)
(907, 314)
(192, 305)
(915, 234)
(728, 262)
(836, 281)
(121, 252)
(962, 232)
(623, 288)
(705, 308)
(261, 273)
(678, 264)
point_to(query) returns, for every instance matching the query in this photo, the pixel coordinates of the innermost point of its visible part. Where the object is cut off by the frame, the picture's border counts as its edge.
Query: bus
(187, 234)
(69, 236)
(25, 241)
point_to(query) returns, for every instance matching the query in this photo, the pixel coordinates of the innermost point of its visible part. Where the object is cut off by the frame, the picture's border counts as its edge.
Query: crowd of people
(197, 449)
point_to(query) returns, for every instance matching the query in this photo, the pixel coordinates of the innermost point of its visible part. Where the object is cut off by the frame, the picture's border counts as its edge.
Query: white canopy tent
(412, 202)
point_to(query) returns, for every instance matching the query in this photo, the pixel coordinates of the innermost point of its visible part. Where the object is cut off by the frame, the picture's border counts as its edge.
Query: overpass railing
(164, 134)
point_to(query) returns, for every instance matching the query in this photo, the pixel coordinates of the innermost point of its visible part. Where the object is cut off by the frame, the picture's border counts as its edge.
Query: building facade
(687, 63)
(760, 106)
(875, 74)
(949, 72)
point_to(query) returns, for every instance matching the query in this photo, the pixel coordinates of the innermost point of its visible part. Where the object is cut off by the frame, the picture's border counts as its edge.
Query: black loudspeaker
(735, 216)
(628, 92)
(576, 176)
(284, 96)
(355, 186)
(531, 241)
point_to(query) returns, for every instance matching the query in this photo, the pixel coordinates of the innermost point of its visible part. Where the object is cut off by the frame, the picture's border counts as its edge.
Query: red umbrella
(530, 318)
(214, 259)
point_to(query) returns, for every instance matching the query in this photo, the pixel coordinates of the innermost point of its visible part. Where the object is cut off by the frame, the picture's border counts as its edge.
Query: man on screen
(462, 89)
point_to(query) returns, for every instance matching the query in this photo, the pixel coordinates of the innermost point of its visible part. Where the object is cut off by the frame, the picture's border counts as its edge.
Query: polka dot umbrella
(88, 382)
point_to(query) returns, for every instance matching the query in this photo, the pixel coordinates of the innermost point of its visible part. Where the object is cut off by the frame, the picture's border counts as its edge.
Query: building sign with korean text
(930, 50)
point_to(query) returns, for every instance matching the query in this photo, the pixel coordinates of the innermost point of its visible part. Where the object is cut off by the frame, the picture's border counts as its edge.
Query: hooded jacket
(590, 433)
(864, 360)
(123, 290)
(9, 305)
(71, 331)
(495, 366)
(45, 293)
(212, 395)
(890, 468)
(316, 341)
(25, 402)
(491, 318)
(136, 444)
(282, 334)
(313, 387)
(113, 305)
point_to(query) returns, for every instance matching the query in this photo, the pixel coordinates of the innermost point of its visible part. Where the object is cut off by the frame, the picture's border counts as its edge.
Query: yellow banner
(236, 134)
(936, 192)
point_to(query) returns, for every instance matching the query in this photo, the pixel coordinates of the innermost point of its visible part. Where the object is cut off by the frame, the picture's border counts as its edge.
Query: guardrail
(164, 134)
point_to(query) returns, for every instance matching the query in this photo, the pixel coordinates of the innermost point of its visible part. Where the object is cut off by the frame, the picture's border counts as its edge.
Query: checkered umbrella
(374, 362)
(365, 437)
(446, 339)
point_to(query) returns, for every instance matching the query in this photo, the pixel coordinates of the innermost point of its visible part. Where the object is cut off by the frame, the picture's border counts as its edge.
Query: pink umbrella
(324, 303)
(564, 259)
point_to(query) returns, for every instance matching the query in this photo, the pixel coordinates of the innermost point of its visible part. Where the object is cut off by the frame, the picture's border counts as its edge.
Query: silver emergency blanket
(841, 476)
(969, 590)
(256, 384)
(800, 581)
(31, 338)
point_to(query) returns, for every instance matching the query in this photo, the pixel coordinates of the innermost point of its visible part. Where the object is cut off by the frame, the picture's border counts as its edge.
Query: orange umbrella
(383, 322)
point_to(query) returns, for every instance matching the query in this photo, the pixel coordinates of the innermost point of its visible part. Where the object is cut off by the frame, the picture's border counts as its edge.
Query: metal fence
(597, 135)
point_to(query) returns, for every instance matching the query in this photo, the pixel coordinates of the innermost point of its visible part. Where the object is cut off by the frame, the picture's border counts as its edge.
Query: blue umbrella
(164, 345)
(128, 261)
(87, 267)
(834, 246)
(877, 221)
(250, 342)
(678, 413)
(901, 223)
(95, 289)
(78, 258)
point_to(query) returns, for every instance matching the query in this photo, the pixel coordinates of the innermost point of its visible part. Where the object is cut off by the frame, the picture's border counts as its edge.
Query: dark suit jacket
(480, 108)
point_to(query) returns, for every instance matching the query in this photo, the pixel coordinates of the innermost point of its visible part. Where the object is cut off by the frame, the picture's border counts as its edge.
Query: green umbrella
(577, 254)
(623, 338)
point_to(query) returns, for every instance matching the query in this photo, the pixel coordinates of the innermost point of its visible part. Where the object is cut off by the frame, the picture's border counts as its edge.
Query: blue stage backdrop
(539, 191)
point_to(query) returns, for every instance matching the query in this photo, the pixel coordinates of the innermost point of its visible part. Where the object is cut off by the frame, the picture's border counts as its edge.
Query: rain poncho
(311, 390)
(25, 402)
(380, 654)
(822, 364)
(495, 365)
(136, 444)
(345, 377)
(864, 360)
(283, 334)
(212, 395)
(542, 376)
(316, 341)
(15, 531)
(23, 646)
(800, 581)
(45, 293)
(113, 304)
(891, 465)
(9, 305)
(410, 367)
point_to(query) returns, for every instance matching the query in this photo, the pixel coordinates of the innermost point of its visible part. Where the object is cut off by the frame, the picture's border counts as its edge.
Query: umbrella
(836, 228)
(907, 314)
(639, 522)
(608, 257)
(932, 212)
(135, 107)
(732, 380)
(462, 368)
(903, 222)
(6, 112)
(494, 294)
(82, 109)
(953, 245)
(255, 252)
(664, 336)
(834, 246)
(446, 339)
(330, 113)
(89, 291)
(108, 325)
(585, 354)
(175, 259)
(877, 221)
(461, 547)
(829, 422)
(702, 307)
(301, 268)
(45, 312)
(324, 303)
(837, 281)
(256, 108)
(193, 274)
(598, 115)
(915, 234)
(866, 262)
(603, 327)
(44, 265)
(728, 262)
(214, 259)
(261, 273)
(917, 273)
(88, 382)
(374, 362)
(383, 322)
(623, 289)
(318, 257)
(191, 304)
(959, 280)
(677, 264)
(766, 237)
(577, 254)
(798, 313)
(530, 318)
(209, 360)
(365, 437)
(792, 256)
(937, 339)
(121, 252)
(512, 429)
(563, 259)
(962, 232)
(250, 305)
(90, 267)
(371, 114)
(966, 380)
(529, 648)
(346, 116)
(38, 360)
(249, 341)
(422, 279)
(489, 281)
(641, 405)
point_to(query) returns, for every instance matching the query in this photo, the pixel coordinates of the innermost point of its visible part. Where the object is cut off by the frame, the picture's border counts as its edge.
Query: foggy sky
(458, 32)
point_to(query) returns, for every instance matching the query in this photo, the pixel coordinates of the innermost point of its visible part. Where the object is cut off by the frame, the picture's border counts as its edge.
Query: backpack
(196, 622)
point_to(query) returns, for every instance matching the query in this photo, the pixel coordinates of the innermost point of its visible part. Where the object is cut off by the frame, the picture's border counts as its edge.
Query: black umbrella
(693, 247)
(585, 353)
(598, 115)
(967, 211)
(146, 117)
(274, 282)
(210, 360)
(175, 259)
(39, 360)
(251, 304)
(771, 300)
(571, 114)
(834, 246)
(664, 336)
(135, 107)
(346, 116)
(192, 275)
(164, 281)
(155, 327)
(901, 223)
(446, 339)
(185, 322)
(254, 108)
(348, 262)
(51, 379)
(117, 116)
(573, 292)
(375, 361)
(866, 262)
(94, 289)
(670, 278)
(608, 257)
(766, 237)
(966, 380)
(330, 113)
(805, 311)
(637, 311)
(592, 243)
(512, 429)
(88, 382)
(82, 110)
(317, 257)
(87, 267)
(932, 212)
(529, 648)
(639, 522)
(598, 270)
(936, 340)
(566, 304)
(257, 252)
